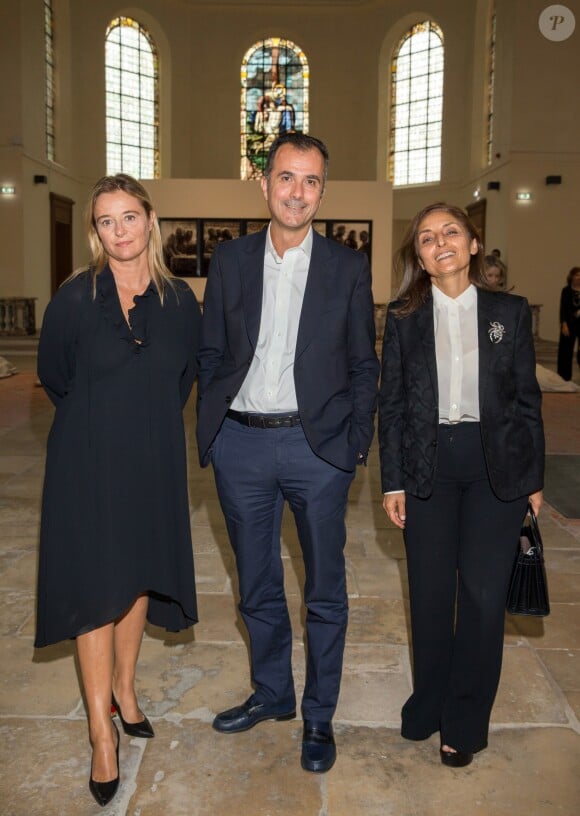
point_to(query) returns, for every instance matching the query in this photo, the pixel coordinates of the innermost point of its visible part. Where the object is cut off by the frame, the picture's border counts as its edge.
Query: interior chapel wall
(349, 46)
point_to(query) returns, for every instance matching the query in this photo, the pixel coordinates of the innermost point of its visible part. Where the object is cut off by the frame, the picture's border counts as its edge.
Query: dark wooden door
(476, 212)
(61, 225)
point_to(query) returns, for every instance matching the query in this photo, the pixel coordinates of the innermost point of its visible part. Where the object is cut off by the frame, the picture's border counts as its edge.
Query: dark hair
(415, 281)
(300, 141)
(571, 274)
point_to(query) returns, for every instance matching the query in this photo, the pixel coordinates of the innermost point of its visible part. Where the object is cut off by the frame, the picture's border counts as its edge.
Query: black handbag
(528, 591)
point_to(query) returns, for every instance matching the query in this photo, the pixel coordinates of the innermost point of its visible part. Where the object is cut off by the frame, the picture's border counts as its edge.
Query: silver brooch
(496, 331)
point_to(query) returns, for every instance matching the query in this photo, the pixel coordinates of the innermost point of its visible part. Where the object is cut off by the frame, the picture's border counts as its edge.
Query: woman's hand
(536, 500)
(565, 330)
(394, 507)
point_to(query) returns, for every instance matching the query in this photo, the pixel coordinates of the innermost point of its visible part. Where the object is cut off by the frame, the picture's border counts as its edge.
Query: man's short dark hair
(300, 141)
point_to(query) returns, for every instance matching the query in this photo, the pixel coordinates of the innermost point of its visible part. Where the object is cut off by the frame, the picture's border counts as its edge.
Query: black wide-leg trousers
(460, 544)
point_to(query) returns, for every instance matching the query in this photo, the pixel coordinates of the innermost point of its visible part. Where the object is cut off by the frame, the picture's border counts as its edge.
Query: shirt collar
(466, 299)
(305, 246)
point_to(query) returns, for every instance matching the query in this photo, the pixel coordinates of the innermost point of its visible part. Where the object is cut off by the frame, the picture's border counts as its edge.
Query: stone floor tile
(563, 587)
(373, 697)
(17, 610)
(40, 682)
(200, 772)
(16, 463)
(564, 666)
(560, 630)
(46, 765)
(14, 511)
(18, 570)
(379, 577)
(23, 486)
(212, 573)
(526, 694)
(373, 620)
(379, 774)
(208, 511)
(366, 516)
(10, 531)
(567, 561)
(219, 618)
(209, 540)
(573, 698)
(193, 680)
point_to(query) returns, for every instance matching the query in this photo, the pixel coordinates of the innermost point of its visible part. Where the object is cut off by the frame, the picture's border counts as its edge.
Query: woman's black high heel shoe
(142, 729)
(104, 791)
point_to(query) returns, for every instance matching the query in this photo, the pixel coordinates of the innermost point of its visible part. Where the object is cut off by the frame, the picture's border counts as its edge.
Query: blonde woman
(117, 357)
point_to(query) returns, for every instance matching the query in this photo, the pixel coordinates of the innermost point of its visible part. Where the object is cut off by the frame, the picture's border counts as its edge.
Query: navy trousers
(461, 544)
(256, 471)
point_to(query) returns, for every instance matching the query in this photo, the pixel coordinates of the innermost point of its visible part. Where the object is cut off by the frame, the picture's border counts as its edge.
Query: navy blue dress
(115, 511)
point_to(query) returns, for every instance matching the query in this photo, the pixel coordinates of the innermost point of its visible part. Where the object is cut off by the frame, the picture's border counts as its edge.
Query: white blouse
(457, 354)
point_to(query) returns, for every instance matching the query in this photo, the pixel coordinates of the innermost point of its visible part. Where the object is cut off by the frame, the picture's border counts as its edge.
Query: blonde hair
(160, 274)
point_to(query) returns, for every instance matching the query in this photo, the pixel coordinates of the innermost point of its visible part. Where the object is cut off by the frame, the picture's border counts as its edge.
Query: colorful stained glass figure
(132, 100)
(274, 78)
(417, 106)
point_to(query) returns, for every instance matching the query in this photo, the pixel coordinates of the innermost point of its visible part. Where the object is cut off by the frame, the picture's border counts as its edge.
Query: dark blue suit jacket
(509, 399)
(336, 367)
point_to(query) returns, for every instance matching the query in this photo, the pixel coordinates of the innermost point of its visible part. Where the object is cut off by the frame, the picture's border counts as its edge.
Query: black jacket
(509, 399)
(336, 367)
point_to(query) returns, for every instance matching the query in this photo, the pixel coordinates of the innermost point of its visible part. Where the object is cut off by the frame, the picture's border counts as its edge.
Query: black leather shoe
(457, 759)
(142, 729)
(318, 747)
(103, 792)
(246, 716)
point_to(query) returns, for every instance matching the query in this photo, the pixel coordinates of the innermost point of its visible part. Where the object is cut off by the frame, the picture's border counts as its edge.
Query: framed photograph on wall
(355, 234)
(213, 232)
(179, 237)
(255, 225)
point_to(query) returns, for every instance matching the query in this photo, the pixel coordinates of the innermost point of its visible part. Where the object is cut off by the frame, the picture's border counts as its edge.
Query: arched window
(131, 74)
(417, 106)
(274, 77)
(50, 83)
(490, 85)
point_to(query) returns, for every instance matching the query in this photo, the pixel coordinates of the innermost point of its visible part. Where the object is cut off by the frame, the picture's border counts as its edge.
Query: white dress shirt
(457, 354)
(269, 384)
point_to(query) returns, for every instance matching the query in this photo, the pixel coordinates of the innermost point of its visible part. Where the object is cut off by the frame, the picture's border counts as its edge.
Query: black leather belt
(265, 420)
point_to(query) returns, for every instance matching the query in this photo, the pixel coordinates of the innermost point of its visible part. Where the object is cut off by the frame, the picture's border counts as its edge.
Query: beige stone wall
(349, 44)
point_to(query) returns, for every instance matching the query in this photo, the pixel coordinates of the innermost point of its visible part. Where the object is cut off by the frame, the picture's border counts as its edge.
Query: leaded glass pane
(417, 103)
(274, 100)
(131, 100)
(418, 88)
(49, 95)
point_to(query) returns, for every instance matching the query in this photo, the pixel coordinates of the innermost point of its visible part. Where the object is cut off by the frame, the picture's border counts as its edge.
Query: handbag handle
(535, 530)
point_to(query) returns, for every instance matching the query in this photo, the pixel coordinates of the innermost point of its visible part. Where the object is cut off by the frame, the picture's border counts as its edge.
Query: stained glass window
(490, 87)
(131, 75)
(274, 78)
(50, 86)
(417, 106)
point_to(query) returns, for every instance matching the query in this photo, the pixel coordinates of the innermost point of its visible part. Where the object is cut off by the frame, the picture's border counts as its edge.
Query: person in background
(117, 357)
(462, 453)
(287, 396)
(495, 273)
(569, 324)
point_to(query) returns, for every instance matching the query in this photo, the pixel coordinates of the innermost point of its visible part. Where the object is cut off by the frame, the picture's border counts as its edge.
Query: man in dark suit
(287, 395)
